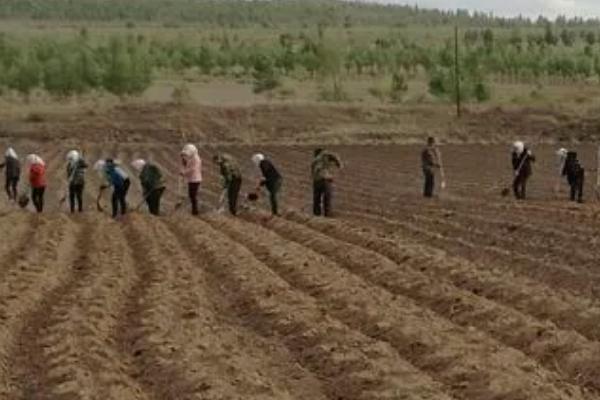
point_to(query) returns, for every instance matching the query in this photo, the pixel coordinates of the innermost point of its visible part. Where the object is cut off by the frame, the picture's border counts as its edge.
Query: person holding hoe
(113, 175)
(231, 176)
(191, 171)
(522, 160)
(430, 161)
(323, 169)
(37, 180)
(153, 184)
(76, 167)
(13, 173)
(574, 171)
(271, 179)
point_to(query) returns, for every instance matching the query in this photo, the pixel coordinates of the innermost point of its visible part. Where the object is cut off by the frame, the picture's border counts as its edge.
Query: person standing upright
(429, 163)
(13, 173)
(322, 169)
(522, 159)
(191, 170)
(574, 171)
(76, 167)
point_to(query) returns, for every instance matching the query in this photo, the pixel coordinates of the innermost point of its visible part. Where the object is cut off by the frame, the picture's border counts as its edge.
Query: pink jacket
(192, 170)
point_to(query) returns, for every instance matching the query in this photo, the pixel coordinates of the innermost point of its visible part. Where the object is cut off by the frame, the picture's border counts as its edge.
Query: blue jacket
(115, 175)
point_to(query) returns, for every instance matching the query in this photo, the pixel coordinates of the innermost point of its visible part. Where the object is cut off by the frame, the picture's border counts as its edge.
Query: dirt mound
(303, 123)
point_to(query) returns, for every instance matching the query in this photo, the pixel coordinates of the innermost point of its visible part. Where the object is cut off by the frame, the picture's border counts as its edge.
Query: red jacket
(37, 176)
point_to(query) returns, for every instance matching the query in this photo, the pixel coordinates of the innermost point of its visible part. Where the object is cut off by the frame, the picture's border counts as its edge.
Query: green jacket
(324, 164)
(151, 178)
(230, 169)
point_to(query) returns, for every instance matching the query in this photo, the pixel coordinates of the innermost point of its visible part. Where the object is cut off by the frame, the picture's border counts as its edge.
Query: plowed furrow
(542, 341)
(348, 364)
(565, 249)
(530, 297)
(30, 275)
(435, 345)
(73, 344)
(206, 355)
(560, 277)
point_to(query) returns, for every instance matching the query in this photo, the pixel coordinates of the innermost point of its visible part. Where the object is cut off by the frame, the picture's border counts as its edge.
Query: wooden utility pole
(457, 72)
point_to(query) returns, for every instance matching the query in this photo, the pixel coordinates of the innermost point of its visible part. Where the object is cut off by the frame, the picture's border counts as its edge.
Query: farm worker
(191, 170)
(13, 173)
(37, 180)
(76, 167)
(323, 169)
(574, 172)
(429, 163)
(231, 177)
(153, 184)
(113, 175)
(271, 179)
(522, 158)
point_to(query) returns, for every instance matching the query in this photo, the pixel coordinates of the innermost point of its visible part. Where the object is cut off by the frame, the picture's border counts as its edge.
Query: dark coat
(13, 167)
(522, 163)
(272, 177)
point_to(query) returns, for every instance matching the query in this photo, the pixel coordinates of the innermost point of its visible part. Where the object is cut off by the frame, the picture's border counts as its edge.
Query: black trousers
(520, 187)
(153, 200)
(274, 190)
(193, 188)
(322, 197)
(11, 188)
(233, 192)
(37, 197)
(576, 184)
(429, 182)
(119, 198)
(76, 196)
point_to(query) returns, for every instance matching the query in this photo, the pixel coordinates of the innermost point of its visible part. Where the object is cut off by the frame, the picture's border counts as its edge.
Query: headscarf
(138, 164)
(73, 156)
(562, 153)
(518, 147)
(10, 152)
(34, 159)
(258, 158)
(189, 150)
(99, 165)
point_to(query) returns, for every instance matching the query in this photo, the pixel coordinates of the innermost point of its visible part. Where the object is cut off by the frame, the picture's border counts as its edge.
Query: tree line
(280, 13)
(127, 63)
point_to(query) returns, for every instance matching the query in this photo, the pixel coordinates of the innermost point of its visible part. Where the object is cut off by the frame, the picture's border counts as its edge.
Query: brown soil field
(467, 296)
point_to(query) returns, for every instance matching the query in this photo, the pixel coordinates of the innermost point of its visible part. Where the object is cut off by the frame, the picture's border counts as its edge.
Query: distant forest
(273, 14)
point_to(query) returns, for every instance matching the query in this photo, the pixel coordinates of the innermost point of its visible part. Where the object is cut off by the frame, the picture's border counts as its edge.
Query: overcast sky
(529, 8)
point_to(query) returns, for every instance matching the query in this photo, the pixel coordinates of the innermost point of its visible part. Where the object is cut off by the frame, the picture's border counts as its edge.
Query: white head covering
(34, 159)
(562, 152)
(138, 164)
(257, 158)
(73, 156)
(99, 165)
(10, 152)
(189, 150)
(518, 147)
